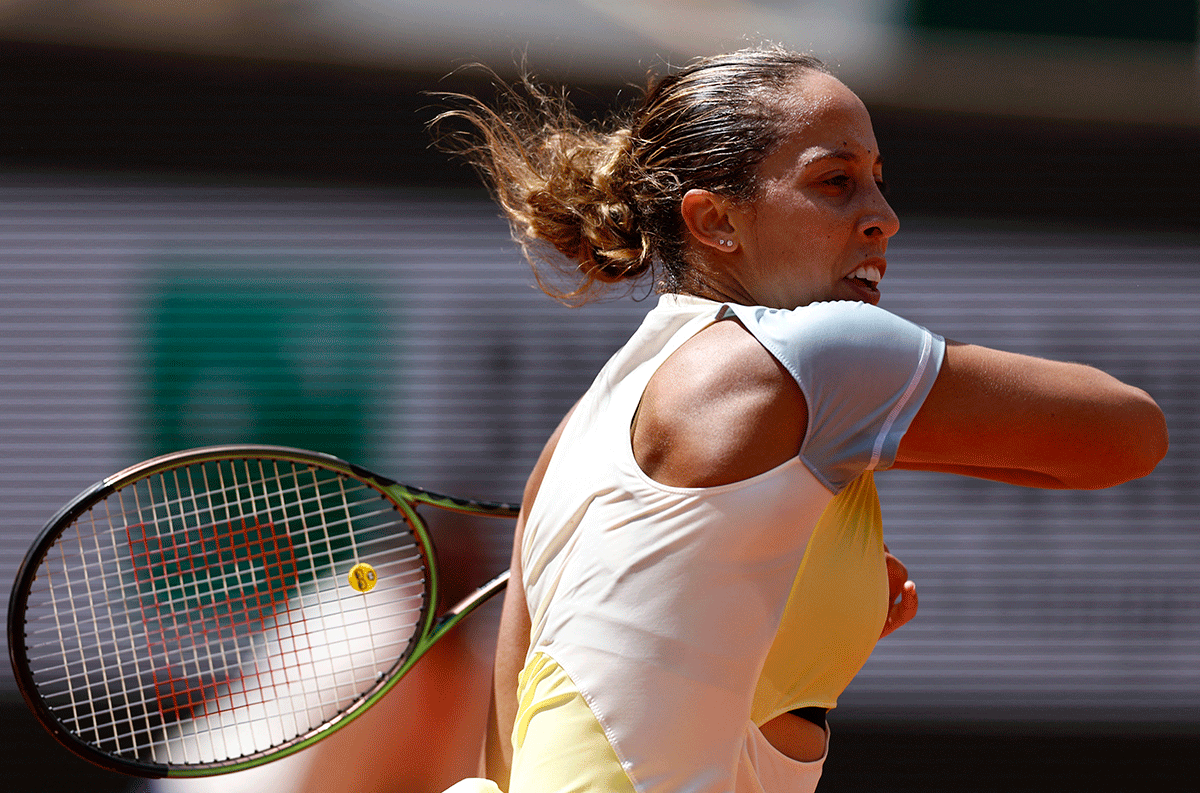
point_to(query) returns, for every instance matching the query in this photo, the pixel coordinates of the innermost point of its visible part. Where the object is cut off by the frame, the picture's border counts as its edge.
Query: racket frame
(431, 627)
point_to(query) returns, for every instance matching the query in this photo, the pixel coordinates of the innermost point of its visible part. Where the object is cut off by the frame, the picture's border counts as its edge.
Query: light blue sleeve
(864, 372)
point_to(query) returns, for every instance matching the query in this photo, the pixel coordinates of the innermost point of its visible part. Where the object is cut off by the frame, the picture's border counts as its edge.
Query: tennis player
(699, 570)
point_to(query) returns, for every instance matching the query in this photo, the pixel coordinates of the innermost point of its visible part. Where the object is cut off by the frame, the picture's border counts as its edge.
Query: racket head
(195, 614)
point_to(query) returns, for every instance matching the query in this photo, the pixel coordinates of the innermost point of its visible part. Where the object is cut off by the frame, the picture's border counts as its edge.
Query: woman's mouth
(865, 282)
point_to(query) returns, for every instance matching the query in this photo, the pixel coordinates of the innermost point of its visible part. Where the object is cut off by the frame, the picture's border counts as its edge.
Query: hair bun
(608, 198)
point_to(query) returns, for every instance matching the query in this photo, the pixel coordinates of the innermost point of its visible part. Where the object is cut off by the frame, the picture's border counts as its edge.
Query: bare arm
(513, 642)
(1033, 422)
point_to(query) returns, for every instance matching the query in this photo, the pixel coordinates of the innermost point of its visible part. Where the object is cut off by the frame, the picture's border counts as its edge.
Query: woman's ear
(707, 217)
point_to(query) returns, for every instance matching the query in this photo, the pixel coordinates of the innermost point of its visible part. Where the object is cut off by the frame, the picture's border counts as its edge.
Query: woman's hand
(902, 594)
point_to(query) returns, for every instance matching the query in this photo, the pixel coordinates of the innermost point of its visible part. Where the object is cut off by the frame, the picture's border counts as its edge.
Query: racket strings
(400, 571)
(193, 547)
(198, 616)
(403, 566)
(211, 667)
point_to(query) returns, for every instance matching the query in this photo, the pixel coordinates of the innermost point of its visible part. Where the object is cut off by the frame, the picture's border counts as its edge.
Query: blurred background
(222, 221)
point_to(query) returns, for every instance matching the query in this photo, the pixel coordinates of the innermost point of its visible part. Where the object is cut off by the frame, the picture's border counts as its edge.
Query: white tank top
(662, 603)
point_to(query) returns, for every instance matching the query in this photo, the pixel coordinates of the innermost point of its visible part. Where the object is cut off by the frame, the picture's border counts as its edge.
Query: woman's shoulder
(841, 342)
(833, 382)
(720, 409)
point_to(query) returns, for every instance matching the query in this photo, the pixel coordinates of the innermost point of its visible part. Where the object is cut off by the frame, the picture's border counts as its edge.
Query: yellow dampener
(362, 577)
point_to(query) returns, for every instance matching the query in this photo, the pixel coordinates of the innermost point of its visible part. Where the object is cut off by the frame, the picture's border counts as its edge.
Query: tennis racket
(214, 609)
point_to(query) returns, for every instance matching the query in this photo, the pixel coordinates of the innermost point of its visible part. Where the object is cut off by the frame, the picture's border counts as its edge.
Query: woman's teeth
(870, 274)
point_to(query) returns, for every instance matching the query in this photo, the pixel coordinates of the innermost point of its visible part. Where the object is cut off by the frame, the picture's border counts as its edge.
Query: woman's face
(819, 226)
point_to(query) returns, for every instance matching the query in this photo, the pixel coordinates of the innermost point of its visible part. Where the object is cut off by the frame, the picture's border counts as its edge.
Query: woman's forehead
(822, 117)
(811, 92)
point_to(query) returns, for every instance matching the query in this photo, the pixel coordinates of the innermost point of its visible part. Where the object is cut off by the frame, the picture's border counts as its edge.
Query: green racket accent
(212, 610)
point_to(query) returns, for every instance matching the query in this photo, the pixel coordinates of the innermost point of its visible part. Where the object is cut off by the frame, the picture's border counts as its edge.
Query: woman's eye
(838, 181)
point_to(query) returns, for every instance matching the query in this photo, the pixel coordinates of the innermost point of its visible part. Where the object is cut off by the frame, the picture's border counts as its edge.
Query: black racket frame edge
(17, 637)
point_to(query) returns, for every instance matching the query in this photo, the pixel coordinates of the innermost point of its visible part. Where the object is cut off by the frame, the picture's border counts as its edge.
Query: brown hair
(608, 196)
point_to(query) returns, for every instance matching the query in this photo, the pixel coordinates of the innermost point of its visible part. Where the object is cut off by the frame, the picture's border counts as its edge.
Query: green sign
(248, 353)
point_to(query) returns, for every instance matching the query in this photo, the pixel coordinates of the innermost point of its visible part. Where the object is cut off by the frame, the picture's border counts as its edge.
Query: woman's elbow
(1138, 443)
(1152, 440)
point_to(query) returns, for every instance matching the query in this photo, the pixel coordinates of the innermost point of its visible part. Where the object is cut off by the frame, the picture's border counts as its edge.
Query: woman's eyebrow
(846, 155)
